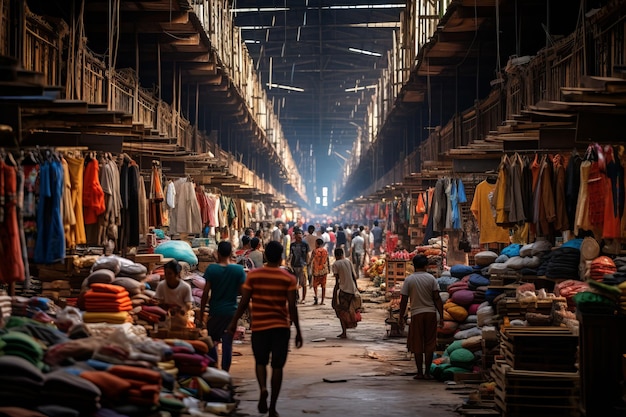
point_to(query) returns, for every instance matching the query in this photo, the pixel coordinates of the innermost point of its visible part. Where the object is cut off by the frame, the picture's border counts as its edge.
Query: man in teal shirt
(223, 280)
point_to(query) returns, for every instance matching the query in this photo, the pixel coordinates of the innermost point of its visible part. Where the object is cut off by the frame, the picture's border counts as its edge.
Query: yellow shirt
(482, 211)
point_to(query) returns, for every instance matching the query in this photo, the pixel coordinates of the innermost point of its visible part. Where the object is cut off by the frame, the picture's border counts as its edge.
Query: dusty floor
(377, 370)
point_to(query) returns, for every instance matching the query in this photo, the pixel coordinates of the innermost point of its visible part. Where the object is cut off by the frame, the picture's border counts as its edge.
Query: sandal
(418, 376)
(428, 376)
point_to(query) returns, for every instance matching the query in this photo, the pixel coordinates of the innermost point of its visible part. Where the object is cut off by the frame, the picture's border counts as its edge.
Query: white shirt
(357, 244)
(343, 269)
(180, 296)
(419, 288)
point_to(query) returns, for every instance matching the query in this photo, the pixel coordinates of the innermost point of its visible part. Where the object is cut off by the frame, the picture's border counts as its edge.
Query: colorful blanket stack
(191, 356)
(145, 384)
(107, 303)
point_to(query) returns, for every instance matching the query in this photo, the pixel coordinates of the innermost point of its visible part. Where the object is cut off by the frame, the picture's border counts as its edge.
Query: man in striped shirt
(273, 293)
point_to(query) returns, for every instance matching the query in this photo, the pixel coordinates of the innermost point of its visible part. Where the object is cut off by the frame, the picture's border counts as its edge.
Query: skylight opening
(364, 52)
(285, 87)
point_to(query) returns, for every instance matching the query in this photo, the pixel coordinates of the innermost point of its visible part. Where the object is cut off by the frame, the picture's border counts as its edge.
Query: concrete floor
(377, 370)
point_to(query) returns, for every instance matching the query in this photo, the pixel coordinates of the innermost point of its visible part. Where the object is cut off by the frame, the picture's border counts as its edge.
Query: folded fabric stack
(152, 314)
(568, 289)
(35, 307)
(68, 390)
(107, 303)
(107, 298)
(20, 382)
(114, 388)
(24, 346)
(620, 263)
(563, 263)
(601, 266)
(145, 384)
(5, 307)
(190, 356)
(120, 317)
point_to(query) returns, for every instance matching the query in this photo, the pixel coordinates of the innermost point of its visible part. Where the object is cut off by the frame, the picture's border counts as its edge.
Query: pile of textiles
(107, 303)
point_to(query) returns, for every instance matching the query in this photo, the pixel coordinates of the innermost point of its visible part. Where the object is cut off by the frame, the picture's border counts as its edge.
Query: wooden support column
(136, 98)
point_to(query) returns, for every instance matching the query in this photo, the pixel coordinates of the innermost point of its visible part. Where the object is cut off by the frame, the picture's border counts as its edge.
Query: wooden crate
(395, 272)
(546, 349)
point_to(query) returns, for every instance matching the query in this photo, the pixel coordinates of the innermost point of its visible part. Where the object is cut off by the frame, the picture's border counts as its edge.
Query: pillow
(102, 276)
(512, 250)
(516, 262)
(462, 358)
(540, 247)
(457, 312)
(473, 343)
(464, 334)
(134, 270)
(463, 297)
(501, 259)
(473, 309)
(449, 327)
(132, 286)
(459, 271)
(478, 280)
(526, 250)
(457, 344)
(112, 263)
(179, 250)
(485, 258)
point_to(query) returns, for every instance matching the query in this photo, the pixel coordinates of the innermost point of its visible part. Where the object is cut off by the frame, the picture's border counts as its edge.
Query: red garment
(203, 202)
(93, 195)
(596, 185)
(10, 248)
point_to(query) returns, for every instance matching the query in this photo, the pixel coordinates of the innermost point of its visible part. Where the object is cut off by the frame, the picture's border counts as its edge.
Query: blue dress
(50, 246)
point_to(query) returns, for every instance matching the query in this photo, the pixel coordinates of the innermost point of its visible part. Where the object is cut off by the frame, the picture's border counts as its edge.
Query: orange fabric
(320, 262)
(105, 296)
(110, 288)
(93, 196)
(10, 247)
(77, 231)
(421, 207)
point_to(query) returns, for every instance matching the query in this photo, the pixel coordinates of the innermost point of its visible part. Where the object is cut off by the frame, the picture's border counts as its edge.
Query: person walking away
(333, 240)
(343, 293)
(377, 231)
(299, 254)
(255, 255)
(270, 292)
(365, 234)
(422, 290)
(341, 239)
(286, 244)
(310, 239)
(223, 282)
(358, 251)
(321, 268)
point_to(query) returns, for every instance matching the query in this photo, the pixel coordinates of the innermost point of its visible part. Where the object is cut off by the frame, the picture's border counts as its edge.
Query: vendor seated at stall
(173, 292)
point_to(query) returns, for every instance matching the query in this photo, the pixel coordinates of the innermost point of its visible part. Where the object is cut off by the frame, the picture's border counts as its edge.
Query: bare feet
(262, 406)
(274, 413)
(418, 376)
(342, 336)
(322, 303)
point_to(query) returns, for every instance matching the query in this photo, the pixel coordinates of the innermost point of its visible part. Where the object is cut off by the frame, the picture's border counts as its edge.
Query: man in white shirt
(423, 291)
(358, 251)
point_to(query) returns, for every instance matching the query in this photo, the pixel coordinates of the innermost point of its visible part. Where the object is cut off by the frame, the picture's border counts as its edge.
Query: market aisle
(376, 373)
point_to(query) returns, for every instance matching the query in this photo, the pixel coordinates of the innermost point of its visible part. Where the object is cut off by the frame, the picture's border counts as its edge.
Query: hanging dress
(10, 245)
(50, 246)
(614, 205)
(582, 207)
(76, 168)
